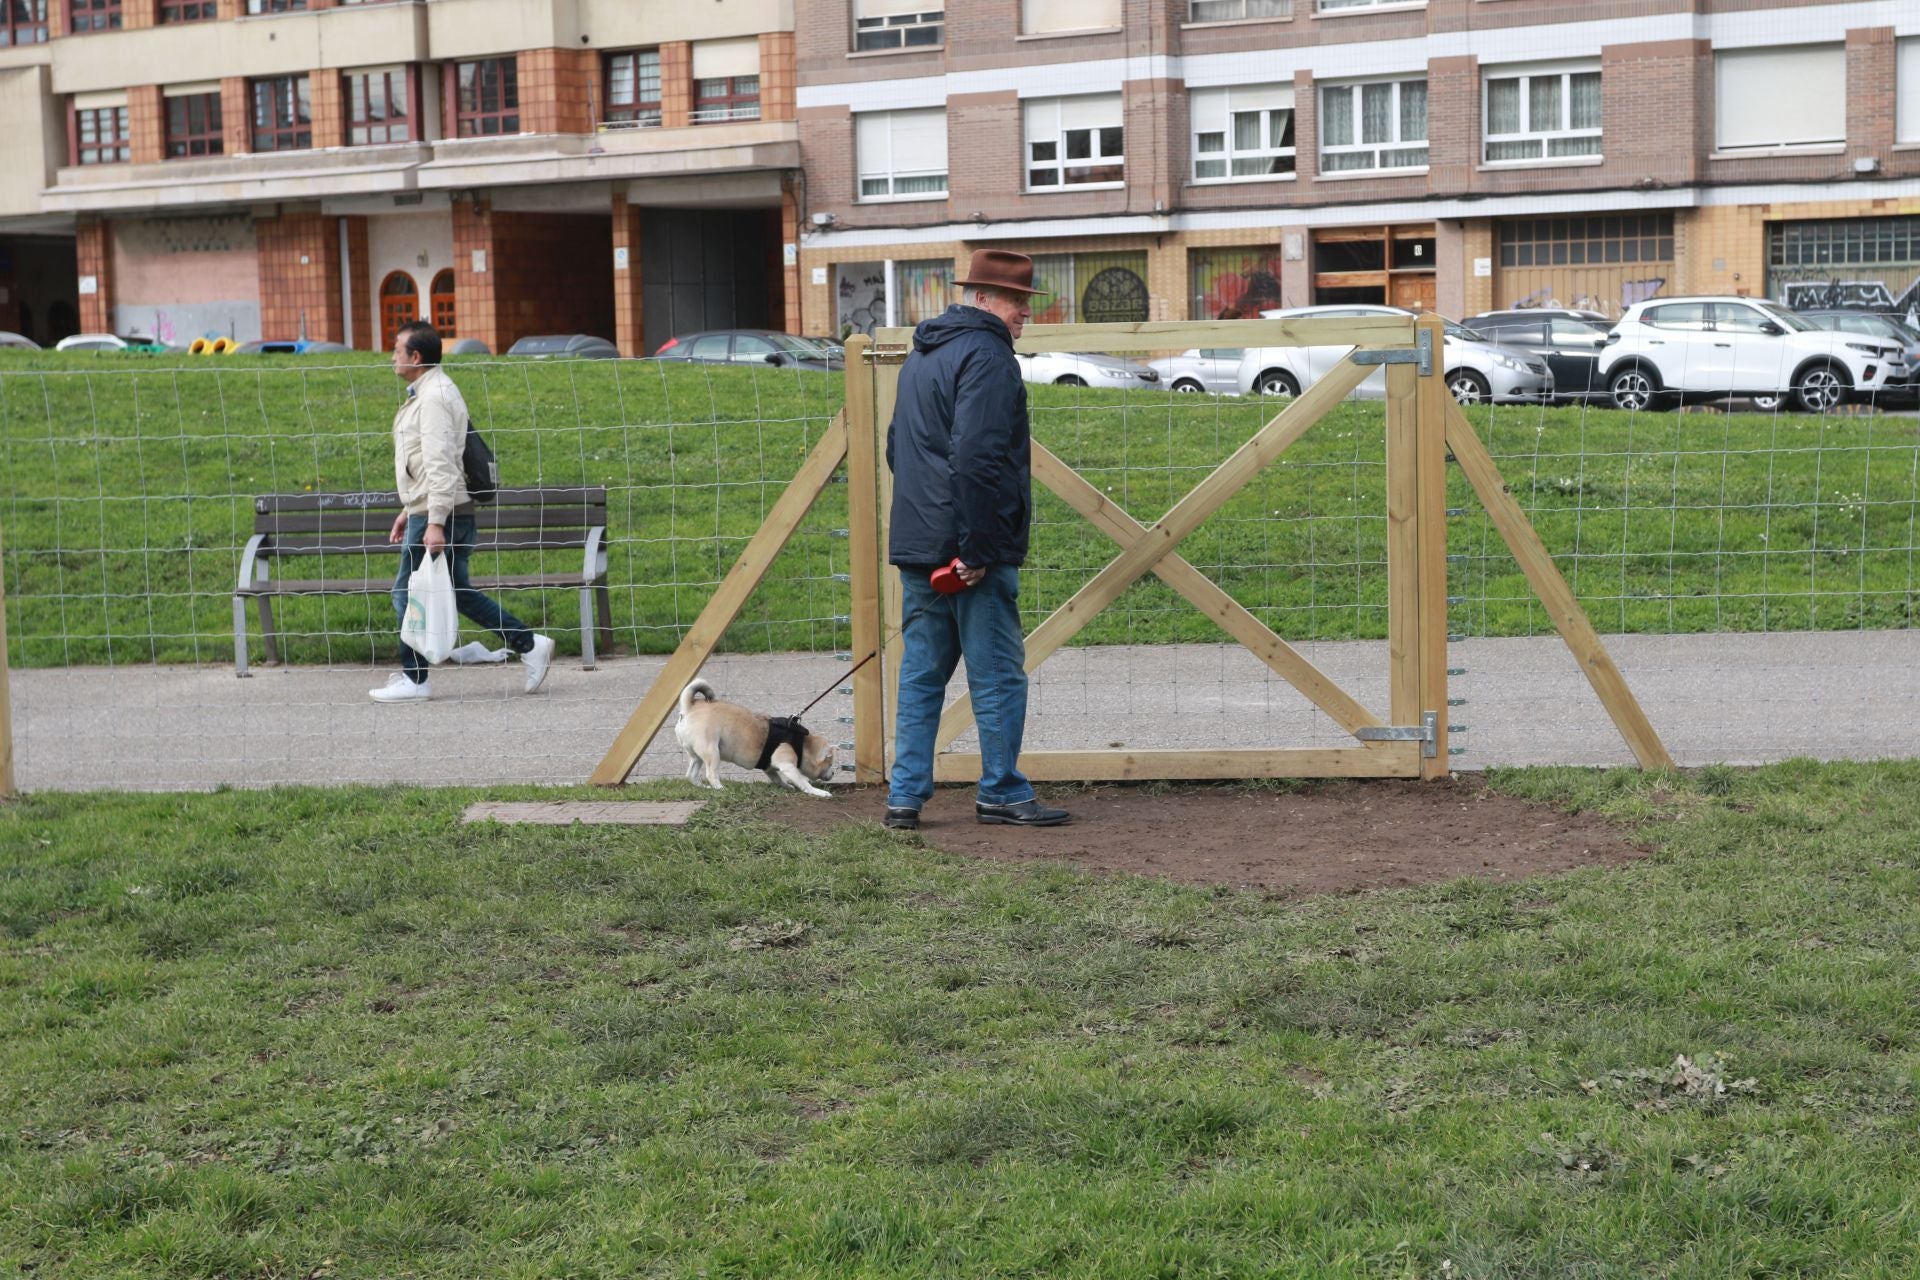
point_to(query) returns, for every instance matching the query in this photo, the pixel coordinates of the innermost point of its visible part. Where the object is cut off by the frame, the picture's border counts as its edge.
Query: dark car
(1566, 340)
(1882, 328)
(752, 347)
(564, 346)
(290, 347)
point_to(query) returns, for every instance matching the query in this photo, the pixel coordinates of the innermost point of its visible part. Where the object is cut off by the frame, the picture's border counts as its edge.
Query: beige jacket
(429, 434)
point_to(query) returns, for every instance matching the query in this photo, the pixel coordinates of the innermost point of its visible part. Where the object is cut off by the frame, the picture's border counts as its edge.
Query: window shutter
(894, 8)
(192, 89)
(1100, 111)
(1781, 97)
(1907, 89)
(1208, 108)
(1262, 97)
(870, 144)
(715, 58)
(1068, 15)
(919, 140)
(93, 101)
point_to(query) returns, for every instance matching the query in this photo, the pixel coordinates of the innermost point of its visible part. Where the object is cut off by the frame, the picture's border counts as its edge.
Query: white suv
(1712, 348)
(1476, 371)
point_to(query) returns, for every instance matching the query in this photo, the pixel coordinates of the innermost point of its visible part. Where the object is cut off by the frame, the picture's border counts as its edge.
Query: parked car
(565, 346)
(1080, 369)
(1712, 348)
(17, 342)
(1487, 320)
(290, 347)
(1871, 324)
(1476, 372)
(468, 347)
(1569, 344)
(108, 342)
(1201, 369)
(752, 347)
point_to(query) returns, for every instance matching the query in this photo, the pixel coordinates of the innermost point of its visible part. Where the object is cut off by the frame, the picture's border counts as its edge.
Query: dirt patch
(1337, 837)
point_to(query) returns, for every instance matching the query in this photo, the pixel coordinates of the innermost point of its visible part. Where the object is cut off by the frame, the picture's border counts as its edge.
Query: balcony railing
(715, 115)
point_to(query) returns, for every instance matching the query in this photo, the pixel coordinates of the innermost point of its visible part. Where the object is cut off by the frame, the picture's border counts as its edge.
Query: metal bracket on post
(1427, 734)
(888, 353)
(1421, 353)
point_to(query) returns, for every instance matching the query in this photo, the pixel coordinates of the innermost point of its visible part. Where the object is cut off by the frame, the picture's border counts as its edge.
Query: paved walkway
(1714, 698)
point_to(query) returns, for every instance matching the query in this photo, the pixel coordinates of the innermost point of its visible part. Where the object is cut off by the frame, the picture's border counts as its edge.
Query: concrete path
(1714, 698)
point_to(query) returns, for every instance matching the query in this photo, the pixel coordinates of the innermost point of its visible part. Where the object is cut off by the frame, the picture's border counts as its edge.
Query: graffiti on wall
(1810, 293)
(1632, 292)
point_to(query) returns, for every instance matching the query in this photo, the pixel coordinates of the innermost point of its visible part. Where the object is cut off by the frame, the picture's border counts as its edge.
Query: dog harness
(784, 731)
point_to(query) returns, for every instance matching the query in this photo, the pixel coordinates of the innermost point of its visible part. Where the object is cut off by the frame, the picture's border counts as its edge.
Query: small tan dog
(711, 731)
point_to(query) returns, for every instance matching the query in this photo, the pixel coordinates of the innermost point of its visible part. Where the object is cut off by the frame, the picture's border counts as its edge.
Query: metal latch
(1427, 735)
(888, 353)
(1421, 353)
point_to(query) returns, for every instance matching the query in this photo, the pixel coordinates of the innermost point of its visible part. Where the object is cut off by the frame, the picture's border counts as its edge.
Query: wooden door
(399, 306)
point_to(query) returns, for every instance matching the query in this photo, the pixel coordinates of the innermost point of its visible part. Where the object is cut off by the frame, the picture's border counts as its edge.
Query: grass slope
(127, 489)
(315, 1033)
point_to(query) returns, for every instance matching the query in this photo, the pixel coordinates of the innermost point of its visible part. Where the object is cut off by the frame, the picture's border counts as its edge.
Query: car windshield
(1457, 330)
(540, 346)
(808, 348)
(1792, 321)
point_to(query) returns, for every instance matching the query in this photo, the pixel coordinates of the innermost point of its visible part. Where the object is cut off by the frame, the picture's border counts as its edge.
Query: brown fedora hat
(998, 269)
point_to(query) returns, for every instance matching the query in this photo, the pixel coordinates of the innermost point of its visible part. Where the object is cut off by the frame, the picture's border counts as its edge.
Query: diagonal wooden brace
(1159, 540)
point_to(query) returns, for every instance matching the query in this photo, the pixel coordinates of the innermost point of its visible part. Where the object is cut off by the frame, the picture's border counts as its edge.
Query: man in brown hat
(963, 500)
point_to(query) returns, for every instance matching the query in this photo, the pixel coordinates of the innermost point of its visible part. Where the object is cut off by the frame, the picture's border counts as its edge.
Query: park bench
(352, 524)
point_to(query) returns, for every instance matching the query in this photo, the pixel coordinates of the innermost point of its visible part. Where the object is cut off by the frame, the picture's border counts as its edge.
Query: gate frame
(1425, 429)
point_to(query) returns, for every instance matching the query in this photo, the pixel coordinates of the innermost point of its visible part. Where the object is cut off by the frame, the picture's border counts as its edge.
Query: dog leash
(839, 680)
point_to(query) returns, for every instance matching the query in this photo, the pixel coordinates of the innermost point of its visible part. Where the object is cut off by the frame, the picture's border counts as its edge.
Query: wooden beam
(1378, 332)
(1165, 534)
(8, 790)
(1554, 593)
(664, 695)
(1403, 546)
(886, 394)
(1382, 760)
(1431, 401)
(863, 554)
(1201, 592)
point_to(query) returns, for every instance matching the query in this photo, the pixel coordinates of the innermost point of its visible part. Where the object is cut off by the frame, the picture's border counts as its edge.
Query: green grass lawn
(128, 481)
(336, 1033)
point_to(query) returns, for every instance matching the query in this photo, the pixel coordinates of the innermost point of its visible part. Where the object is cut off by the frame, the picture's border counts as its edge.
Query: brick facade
(329, 108)
(235, 111)
(473, 276)
(362, 305)
(676, 84)
(628, 312)
(94, 256)
(558, 90)
(777, 82)
(300, 277)
(147, 122)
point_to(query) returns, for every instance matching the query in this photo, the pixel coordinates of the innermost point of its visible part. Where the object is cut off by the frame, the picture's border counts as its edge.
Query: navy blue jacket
(958, 446)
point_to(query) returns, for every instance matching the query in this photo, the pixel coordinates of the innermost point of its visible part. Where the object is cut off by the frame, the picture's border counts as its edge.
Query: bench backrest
(306, 524)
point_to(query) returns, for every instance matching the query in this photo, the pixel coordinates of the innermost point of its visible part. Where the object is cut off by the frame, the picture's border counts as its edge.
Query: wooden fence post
(863, 550)
(1431, 401)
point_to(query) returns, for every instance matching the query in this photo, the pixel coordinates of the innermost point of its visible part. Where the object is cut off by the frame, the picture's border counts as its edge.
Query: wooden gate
(1422, 425)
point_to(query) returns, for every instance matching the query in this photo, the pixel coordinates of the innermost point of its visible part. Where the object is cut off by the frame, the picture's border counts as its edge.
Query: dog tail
(697, 689)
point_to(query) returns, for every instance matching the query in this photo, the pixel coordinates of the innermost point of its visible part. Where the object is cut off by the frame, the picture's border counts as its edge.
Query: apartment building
(1177, 159)
(333, 168)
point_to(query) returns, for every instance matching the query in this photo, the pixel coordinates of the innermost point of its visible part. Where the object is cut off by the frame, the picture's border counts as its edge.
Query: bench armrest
(247, 559)
(593, 565)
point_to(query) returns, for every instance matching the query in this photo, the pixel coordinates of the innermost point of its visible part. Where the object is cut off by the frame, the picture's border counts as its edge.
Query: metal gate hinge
(1421, 353)
(1427, 734)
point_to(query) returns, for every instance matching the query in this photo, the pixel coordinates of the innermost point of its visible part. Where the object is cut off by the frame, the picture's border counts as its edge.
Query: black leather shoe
(902, 819)
(1028, 813)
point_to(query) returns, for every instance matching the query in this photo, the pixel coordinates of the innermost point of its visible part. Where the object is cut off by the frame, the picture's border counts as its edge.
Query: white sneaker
(400, 689)
(537, 660)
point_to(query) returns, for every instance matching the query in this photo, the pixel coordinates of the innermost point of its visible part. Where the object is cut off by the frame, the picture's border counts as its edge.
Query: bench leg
(606, 616)
(240, 637)
(587, 662)
(266, 631)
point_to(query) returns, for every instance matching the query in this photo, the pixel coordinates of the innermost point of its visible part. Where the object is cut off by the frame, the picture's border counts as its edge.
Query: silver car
(1214, 369)
(1476, 371)
(1078, 369)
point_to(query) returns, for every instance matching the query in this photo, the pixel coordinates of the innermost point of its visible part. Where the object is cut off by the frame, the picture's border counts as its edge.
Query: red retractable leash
(946, 580)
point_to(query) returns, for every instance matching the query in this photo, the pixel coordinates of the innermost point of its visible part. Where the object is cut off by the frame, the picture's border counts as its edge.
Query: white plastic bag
(432, 623)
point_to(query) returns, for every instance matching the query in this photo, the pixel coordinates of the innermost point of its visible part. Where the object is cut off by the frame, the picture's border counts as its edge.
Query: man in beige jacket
(429, 436)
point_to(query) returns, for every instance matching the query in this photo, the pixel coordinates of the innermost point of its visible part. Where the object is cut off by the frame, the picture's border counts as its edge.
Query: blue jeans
(981, 624)
(482, 609)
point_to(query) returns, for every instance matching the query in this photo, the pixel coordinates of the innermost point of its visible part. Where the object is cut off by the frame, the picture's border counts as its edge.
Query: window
(275, 6)
(399, 306)
(902, 155)
(1677, 315)
(633, 89)
(897, 24)
(178, 11)
(100, 134)
(1345, 6)
(1364, 127)
(1237, 10)
(726, 98)
(488, 102)
(193, 125)
(1780, 97)
(1041, 17)
(23, 22)
(1241, 133)
(93, 15)
(1907, 91)
(1075, 142)
(378, 107)
(1232, 284)
(441, 297)
(1602, 240)
(282, 114)
(1548, 114)
(1731, 317)
(1091, 288)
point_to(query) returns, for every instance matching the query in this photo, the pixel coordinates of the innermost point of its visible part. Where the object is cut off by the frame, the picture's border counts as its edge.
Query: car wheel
(1632, 389)
(1768, 404)
(1468, 387)
(1188, 386)
(1822, 388)
(1069, 380)
(1276, 382)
